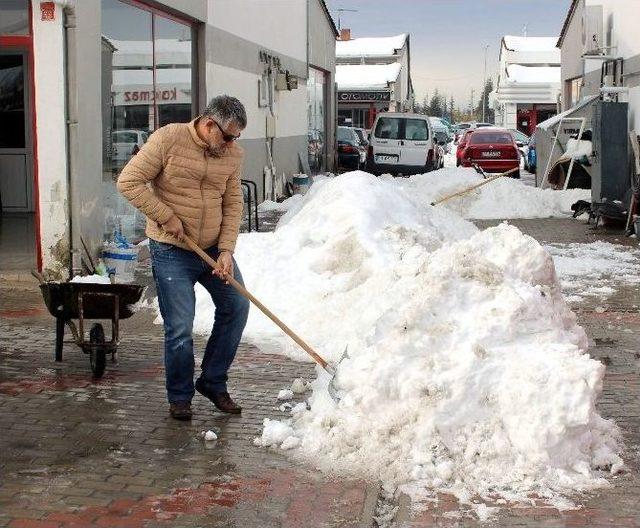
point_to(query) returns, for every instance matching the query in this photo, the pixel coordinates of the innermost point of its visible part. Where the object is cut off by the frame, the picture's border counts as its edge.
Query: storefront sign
(160, 95)
(138, 95)
(363, 97)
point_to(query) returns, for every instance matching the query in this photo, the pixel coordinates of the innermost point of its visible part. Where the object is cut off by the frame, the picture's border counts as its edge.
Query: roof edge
(330, 18)
(567, 21)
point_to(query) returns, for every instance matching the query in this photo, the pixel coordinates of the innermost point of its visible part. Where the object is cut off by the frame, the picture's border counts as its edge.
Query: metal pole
(484, 80)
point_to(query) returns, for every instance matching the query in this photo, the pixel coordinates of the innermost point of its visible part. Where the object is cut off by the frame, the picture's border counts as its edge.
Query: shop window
(316, 130)
(14, 17)
(146, 84)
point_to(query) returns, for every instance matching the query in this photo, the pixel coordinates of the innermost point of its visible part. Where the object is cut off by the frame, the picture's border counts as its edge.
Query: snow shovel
(330, 368)
(468, 189)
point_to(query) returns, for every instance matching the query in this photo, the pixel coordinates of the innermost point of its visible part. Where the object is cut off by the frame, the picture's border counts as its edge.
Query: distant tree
(489, 114)
(451, 107)
(436, 105)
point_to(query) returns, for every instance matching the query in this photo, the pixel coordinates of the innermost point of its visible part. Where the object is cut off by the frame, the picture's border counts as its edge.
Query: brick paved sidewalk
(75, 452)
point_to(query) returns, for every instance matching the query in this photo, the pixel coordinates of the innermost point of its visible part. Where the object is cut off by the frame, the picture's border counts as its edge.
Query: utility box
(270, 131)
(610, 166)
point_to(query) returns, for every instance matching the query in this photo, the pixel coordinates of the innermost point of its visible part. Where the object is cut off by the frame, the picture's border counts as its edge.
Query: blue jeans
(176, 271)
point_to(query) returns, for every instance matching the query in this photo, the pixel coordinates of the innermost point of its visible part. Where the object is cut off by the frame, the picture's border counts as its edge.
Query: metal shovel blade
(332, 369)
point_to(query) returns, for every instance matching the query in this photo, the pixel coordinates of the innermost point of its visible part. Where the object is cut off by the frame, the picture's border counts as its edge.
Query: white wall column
(51, 151)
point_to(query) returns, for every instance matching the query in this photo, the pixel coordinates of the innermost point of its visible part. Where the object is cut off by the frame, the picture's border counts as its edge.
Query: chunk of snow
(290, 442)
(209, 436)
(274, 433)
(298, 386)
(281, 207)
(285, 395)
(91, 279)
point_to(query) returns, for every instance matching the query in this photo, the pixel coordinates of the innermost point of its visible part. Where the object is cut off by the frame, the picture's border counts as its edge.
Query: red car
(492, 149)
(462, 144)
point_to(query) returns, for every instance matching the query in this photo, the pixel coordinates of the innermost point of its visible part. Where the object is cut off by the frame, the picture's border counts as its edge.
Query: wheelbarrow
(67, 301)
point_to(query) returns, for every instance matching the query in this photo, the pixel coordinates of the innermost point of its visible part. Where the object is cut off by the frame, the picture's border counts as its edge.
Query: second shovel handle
(468, 189)
(248, 295)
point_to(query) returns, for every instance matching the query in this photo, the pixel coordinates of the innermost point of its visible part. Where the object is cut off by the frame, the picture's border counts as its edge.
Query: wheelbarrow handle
(38, 276)
(248, 295)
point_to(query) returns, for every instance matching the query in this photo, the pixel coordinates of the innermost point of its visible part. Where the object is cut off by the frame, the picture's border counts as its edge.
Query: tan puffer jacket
(173, 174)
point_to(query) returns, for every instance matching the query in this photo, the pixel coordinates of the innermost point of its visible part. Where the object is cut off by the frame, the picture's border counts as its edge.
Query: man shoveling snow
(195, 172)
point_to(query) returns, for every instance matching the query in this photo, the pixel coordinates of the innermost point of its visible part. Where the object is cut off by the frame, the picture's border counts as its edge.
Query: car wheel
(515, 175)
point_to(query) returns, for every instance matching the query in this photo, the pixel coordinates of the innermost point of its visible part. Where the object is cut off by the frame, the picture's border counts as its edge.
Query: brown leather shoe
(221, 400)
(224, 403)
(180, 411)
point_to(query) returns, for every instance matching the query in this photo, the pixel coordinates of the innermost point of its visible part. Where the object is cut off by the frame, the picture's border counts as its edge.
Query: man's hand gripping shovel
(331, 368)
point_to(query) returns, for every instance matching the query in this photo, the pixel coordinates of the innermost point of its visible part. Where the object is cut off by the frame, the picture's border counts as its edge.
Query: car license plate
(491, 154)
(384, 158)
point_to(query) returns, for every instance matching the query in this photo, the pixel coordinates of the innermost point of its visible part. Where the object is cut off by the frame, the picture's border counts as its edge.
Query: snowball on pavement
(285, 395)
(298, 386)
(209, 436)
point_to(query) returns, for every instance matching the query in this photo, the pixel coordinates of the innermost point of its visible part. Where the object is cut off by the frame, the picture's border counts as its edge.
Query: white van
(402, 144)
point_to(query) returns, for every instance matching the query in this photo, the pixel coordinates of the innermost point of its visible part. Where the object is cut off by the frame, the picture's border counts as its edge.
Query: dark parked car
(348, 148)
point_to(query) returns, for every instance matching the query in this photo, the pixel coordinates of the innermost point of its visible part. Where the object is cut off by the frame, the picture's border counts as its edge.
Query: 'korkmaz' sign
(364, 96)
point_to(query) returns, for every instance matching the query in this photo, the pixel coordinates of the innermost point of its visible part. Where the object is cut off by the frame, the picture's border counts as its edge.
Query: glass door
(16, 185)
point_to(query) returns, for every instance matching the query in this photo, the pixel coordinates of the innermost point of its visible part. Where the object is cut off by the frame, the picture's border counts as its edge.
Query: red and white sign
(47, 11)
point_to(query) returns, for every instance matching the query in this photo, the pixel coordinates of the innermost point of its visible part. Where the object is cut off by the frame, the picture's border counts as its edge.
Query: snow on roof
(370, 46)
(530, 43)
(366, 76)
(516, 73)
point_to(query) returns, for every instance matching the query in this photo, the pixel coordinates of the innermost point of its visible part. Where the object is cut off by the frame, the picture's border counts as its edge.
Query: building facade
(528, 86)
(600, 44)
(373, 76)
(83, 84)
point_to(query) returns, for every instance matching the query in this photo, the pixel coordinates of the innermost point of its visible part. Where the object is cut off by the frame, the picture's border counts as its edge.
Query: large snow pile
(332, 256)
(502, 198)
(467, 372)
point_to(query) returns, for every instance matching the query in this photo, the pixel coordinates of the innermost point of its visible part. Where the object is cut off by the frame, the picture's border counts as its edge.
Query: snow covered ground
(467, 372)
(593, 270)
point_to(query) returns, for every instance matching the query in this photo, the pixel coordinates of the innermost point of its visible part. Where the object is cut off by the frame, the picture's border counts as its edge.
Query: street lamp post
(484, 80)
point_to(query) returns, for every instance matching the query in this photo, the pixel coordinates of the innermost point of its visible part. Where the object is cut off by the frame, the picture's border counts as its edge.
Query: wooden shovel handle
(465, 191)
(245, 293)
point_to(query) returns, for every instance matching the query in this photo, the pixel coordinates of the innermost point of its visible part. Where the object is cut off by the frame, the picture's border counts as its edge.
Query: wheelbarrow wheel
(97, 354)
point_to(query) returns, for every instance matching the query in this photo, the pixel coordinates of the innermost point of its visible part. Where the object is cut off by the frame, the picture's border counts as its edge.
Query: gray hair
(226, 109)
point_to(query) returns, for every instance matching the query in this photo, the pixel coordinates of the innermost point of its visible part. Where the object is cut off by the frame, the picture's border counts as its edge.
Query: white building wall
(620, 30)
(621, 18)
(51, 142)
(254, 21)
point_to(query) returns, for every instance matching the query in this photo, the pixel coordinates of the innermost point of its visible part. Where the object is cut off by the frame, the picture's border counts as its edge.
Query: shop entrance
(18, 250)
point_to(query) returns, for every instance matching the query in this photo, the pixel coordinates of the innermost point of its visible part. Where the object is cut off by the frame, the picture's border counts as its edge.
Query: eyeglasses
(228, 138)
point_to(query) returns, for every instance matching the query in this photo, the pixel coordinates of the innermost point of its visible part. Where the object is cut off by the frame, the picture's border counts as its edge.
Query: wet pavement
(76, 452)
